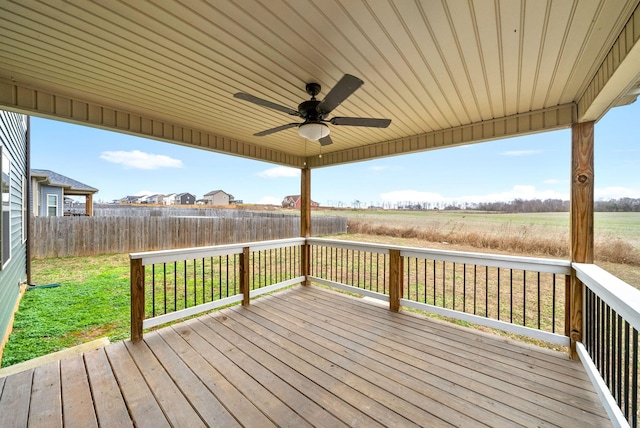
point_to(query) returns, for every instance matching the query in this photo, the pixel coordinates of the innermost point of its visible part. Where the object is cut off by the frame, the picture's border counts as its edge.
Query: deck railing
(174, 284)
(520, 295)
(609, 348)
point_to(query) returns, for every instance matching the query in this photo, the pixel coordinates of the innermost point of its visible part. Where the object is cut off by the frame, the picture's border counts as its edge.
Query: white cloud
(136, 159)
(521, 152)
(607, 193)
(269, 200)
(517, 192)
(279, 171)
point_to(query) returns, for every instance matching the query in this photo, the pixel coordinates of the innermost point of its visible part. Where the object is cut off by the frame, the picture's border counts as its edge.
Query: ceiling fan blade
(276, 129)
(361, 121)
(345, 87)
(265, 103)
(325, 141)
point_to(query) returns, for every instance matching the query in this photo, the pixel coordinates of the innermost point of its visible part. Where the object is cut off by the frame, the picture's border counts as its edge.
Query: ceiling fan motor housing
(309, 110)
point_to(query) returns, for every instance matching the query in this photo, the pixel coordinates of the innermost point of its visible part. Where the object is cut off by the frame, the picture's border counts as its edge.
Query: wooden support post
(137, 299)
(305, 222)
(567, 306)
(244, 276)
(88, 205)
(581, 218)
(396, 279)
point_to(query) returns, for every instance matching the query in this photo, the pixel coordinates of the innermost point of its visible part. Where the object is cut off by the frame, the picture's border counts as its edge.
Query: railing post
(581, 218)
(396, 279)
(244, 276)
(567, 306)
(137, 299)
(305, 222)
(305, 260)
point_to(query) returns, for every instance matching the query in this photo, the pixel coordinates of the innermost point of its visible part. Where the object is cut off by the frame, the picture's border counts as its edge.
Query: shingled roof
(71, 186)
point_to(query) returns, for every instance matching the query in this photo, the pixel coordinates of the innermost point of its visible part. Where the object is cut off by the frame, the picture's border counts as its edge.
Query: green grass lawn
(91, 302)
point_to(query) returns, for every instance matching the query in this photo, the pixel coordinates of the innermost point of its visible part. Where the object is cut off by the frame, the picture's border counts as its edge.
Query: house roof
(213, 192)
(71, 186)
(445, 73)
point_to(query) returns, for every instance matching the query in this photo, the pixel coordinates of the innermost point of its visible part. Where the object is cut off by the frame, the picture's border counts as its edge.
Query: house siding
(13, 139)
(219, 198)
(44, 191)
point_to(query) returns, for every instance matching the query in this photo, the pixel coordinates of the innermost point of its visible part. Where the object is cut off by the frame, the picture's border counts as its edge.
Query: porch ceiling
(446, 73)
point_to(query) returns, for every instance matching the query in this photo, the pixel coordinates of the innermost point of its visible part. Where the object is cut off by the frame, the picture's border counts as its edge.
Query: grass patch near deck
(91, 302)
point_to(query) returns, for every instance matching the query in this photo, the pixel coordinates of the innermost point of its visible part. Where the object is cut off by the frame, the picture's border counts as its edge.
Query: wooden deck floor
(306, 357)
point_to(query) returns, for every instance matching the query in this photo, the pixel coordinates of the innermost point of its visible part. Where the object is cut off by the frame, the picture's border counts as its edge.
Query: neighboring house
(48, 190)
(15, 215)
(185, 199)
(153, 199)
(129, 200)
(169, 199)
(218, 197)
(294, 201)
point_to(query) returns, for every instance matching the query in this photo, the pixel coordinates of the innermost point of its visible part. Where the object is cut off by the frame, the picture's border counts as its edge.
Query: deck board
(111, 409)
(78, 409)
(462, 364)
(143, 408)
(307, 357)
(46, 399)
(14, 402)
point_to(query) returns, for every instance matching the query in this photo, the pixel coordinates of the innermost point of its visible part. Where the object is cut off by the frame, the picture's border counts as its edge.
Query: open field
(617, 235)
(624, 226)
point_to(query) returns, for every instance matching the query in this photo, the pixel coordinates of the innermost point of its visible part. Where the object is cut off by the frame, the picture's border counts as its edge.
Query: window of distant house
(52, 205)
(5, 186)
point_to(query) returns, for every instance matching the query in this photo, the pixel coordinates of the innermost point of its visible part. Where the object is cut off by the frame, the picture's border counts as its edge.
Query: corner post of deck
(305, 222)
(395, 279)
(581, 220)
(137, 298)
(244, 276)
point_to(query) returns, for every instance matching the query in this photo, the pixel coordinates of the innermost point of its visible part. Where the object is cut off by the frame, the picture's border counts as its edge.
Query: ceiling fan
(315, 112)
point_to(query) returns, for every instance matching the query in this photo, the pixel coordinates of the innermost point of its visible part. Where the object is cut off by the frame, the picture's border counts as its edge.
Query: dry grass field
(617, 235)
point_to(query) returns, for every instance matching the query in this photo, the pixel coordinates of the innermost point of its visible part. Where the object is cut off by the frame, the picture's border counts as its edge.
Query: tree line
(557, 205)
(523, 206)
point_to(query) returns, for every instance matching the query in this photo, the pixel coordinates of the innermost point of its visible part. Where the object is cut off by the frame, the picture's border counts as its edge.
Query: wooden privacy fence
(90, 236)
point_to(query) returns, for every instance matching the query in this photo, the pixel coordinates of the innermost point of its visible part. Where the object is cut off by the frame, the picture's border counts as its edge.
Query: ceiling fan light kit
(314, 112)
(313, 131)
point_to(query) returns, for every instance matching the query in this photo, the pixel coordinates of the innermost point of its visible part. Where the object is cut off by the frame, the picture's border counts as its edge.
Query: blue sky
(534, 166)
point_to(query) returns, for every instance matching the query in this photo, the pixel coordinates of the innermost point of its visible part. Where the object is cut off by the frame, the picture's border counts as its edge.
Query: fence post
(244, 276)
(395, 279)
(137, 299)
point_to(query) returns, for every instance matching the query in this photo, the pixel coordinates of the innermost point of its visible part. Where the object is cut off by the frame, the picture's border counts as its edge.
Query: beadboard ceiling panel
(445, 72)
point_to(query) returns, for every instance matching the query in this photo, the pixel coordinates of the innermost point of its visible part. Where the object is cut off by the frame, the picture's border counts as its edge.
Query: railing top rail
(351, 245)
(484, 259)
(164, 256)
(620, 296)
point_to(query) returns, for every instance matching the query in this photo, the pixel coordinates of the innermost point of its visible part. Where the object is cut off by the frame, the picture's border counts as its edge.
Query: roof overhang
(446, 73)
